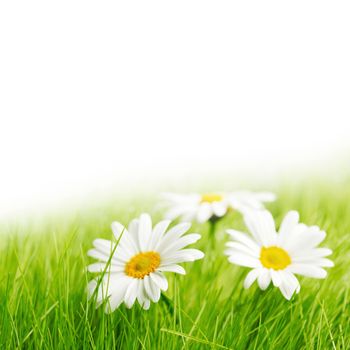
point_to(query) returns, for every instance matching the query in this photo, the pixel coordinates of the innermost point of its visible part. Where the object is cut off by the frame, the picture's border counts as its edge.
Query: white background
(95, 95)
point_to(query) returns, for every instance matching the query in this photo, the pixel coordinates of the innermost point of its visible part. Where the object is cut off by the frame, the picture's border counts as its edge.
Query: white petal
(152, 290)
(292, 280)
(289, 284)
(244, 201)
(178, 230)
(204, 213)
(172, 268)
(276, 278)
(314, 238)
(146, 304)
(189, 216)
(243, 238)
(179, 243)
(118, 230)
(251, 277)
(145, 230)
(323, 262)
(288, 224)
(304, 241)
(308, 270)
(264, 279)
(174, 212)
(244, 260)
(133, 227)
(312, 253)
(260, 223)
(182, 256)
(180, 210)
(157, 233)
(131, 293)
(174, 233)
(239, 247)
(219, 209)
(159, 279)
(286, 290)
(141, 294)
(103, 245)
(133, 230)
(107, 247)
(118, 294)
(109, 285)
(100, 267)
(299, 229)
(125, 241)
(97, 254)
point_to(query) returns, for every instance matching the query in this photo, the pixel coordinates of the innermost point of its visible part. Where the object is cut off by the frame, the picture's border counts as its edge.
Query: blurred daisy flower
(277, 257)
(133, 269)
(209, 206)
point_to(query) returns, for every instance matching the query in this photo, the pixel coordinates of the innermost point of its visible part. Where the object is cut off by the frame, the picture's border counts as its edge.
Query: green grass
(43, 302)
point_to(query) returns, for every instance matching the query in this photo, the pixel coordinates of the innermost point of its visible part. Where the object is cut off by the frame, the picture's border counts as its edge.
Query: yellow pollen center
(142, 264)
(210, 198)
(274, 258)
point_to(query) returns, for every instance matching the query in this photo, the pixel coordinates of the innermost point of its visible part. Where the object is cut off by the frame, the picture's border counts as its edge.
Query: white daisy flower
(135, 269)
(277, 257)
(203, 207)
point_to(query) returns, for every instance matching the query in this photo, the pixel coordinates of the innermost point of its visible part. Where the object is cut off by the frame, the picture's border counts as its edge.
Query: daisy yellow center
(210, 198)
(142, 264)
(274, 258)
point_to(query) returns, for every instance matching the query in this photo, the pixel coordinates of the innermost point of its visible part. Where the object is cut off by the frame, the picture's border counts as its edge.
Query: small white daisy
(278, 256)
(203, 207)
(139, 260)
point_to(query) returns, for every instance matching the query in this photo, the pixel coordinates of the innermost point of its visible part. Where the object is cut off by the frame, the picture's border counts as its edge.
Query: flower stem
(168, 302)
(212, 227)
